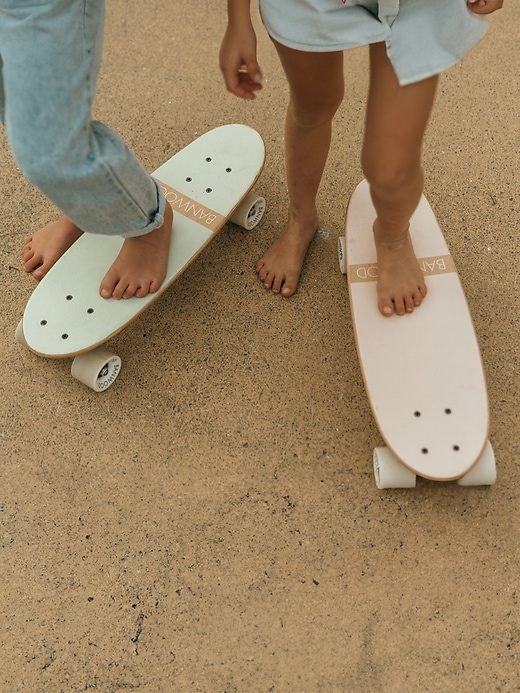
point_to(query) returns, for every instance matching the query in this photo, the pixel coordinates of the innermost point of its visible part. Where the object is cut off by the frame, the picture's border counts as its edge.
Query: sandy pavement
(211, 523)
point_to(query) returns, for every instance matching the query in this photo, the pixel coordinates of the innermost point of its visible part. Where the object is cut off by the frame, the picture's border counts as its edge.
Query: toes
(35, 267)
(122, 288)
(288, 291)
(28, 259)
(417, 300)
(289, 287)
(386, 309)
(27, 246)
(267, 279)
(401, 304)
(278, 283)
(108, 286)
(142, 291)
(126, 289)
(115, 286)
(154, 286)
(409, 303)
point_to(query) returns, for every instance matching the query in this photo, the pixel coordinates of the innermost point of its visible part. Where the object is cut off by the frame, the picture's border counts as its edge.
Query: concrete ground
(211, 522)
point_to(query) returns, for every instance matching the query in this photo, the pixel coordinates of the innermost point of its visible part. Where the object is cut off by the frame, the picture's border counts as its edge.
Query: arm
(238, 62)
(485, 6)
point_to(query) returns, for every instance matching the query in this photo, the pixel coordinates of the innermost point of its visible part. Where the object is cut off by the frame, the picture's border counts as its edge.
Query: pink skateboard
(422, 371)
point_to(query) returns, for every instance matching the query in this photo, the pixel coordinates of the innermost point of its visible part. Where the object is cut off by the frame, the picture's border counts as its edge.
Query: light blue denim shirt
(423, 37)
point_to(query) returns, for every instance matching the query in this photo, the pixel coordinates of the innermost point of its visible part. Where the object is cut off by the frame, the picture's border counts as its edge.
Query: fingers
(249, 80)
(243, 81)
(485, 6)
(238, 64)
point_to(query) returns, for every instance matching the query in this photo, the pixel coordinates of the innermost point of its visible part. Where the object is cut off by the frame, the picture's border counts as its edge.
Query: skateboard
(207, 183)
(422, 371)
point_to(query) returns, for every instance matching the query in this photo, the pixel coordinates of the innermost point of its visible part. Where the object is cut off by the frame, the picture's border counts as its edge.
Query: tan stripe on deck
(191, 208)
(368, 272)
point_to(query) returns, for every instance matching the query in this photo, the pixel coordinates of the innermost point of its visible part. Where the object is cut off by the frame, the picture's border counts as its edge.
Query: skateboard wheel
(342, 255)
(97, 368)
(19, 335)
(389, 472)
(484, 472)
(249, 211)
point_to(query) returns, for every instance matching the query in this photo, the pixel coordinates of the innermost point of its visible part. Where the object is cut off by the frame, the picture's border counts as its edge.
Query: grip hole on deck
(208, 190)
(228, 170)
(65, 336)
(43, 322)
(447, 411)
(189, 179)
(208, 159)
(90, 311)
(456, 448)
(425, 451)
(417, 413)
(69, 297)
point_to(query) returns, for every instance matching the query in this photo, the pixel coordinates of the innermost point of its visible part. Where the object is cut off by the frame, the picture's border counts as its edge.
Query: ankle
(391, 235)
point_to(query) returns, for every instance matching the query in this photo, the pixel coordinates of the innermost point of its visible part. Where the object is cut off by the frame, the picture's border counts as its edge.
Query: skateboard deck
(206, 183)
(422, 371)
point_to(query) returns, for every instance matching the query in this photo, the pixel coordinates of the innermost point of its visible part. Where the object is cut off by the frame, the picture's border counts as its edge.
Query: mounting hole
(447, 411)
(425, 451)
(208, 159)
(69, 297)
(65, 336)
(90, 311)
(208, 190)
(189, 179)
(456, 448)
(228, 170)
(43, 323)
(417, 414)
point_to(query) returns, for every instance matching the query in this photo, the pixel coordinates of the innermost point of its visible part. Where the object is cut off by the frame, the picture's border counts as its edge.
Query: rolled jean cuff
(155, 222)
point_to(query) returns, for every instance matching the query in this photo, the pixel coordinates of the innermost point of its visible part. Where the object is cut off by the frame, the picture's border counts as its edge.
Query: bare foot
(45, 247)
(400, 285)
(280, 267)
(141, 265)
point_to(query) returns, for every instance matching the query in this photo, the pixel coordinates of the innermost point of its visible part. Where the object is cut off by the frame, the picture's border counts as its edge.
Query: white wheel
(97, 369)
(342, 255)
(484, 473)
(19, 335)
(389, 472)
(249, 211)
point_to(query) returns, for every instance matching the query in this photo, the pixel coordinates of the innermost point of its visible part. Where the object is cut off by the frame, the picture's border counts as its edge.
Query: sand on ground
(211, 522)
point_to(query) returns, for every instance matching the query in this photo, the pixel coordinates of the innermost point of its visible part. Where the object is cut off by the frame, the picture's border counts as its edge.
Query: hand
(485, 6)
(242, 74)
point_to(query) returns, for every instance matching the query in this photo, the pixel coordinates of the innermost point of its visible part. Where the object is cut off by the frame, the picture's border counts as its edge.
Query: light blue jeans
(50, 52)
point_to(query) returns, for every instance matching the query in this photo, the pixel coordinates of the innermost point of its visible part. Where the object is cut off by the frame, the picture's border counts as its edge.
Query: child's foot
(400, 285)
(280, 267)
(141, 265)
(45, 247)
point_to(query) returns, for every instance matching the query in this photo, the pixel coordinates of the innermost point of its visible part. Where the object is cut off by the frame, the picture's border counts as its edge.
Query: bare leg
(396, 121)
(316, 91)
